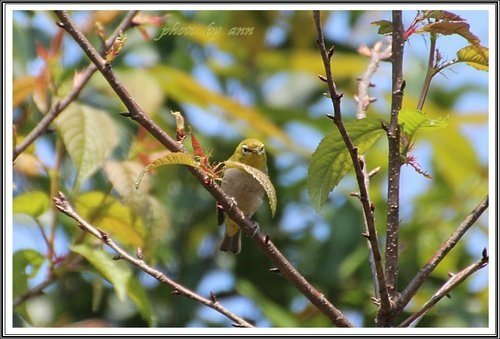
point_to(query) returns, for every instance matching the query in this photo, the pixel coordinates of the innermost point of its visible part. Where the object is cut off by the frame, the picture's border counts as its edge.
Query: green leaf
(112, 216)
(31, 203)
(175, 158)
(89, 135)
(475, 56)
(279, 316)
(136, 292)
(261, 177)
(384, 26)
(117, 273)
(414, 121)
(26, 264)
(331, 160)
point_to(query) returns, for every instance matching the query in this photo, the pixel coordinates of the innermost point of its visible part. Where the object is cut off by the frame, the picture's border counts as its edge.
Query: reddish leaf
(198, 151)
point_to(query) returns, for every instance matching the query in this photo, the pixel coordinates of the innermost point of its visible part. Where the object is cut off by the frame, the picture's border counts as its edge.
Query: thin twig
(376, 54)
(445, 248)
(431, 71)
(65, 207)
(74, 93)
(393, 136)
(360, 176)
(454, 281)
(363, 100)
(246, 225)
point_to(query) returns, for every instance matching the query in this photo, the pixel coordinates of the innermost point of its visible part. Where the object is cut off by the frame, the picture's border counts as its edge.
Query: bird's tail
(231, 243)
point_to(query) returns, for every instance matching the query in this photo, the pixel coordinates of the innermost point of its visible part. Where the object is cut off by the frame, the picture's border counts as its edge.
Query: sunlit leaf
(185, 89)
(113, 217)
(331, 161)
(174, 158)
(89, 135)
(346, 65)
(475, 56)
(414, 121)
(261, 177)
(22, 87)
(31, 203)
(116, 272)
(28, 164)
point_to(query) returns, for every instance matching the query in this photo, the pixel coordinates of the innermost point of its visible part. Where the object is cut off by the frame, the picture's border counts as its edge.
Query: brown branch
(360, 176)
(42, 126)
(363, 100)
(63, 205)
(445, 248)
(393, 136)
(454, 281)
(230, 208)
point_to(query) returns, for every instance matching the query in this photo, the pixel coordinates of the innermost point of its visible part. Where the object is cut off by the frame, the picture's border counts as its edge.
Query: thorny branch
(455, 280)
(246, 225)
(42, 126)
(65, 207)
(360, 176)
(393, 136)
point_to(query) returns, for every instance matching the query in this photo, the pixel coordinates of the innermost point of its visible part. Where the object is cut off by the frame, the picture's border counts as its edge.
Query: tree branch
(431, 71)
(446, 247)
(360, 176)
(247, 226)
(74, 93)
(363, 100)
(393, 136)
(65, 207)
(454, 281)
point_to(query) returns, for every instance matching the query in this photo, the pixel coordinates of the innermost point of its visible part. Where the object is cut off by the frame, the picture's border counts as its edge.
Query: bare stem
(454, 281)
(360, 175)
(233, 212)
(431, 71)
(42, 126)
(445, 248)
(63, 205)
(363, 100)
(393, 136)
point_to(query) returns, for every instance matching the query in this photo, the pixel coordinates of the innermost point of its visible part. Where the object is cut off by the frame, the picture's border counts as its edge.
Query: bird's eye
(261, 150)
(245, 149)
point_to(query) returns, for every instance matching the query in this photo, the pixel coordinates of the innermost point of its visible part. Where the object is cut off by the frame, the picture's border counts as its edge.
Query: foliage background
(262, 85)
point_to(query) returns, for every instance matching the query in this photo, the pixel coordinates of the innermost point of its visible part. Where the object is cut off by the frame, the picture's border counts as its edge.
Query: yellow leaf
(185, 89)
(175, 158)
(22, 87)
(475, 56)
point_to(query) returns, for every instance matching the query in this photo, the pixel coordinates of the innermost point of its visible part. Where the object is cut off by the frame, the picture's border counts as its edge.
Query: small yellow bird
(246, 190)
